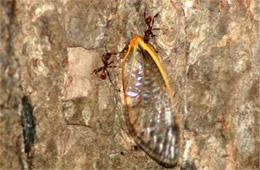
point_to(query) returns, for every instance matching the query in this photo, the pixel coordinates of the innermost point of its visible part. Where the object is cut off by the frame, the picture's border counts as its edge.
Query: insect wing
(150, 113)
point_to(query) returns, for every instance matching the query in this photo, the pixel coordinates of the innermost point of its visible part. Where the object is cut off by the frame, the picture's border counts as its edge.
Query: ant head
(148, 20)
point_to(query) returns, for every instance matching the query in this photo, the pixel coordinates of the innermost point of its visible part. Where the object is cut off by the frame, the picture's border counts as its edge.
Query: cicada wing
(150, 114)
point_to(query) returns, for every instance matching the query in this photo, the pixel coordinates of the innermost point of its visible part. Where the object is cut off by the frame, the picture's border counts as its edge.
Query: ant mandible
(106, 65)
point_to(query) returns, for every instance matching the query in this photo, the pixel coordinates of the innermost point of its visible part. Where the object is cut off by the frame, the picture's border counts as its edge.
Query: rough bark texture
(48, 50)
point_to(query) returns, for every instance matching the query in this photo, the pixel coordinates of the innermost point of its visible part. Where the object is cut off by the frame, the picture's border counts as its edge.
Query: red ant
(106, 64)
(149, 21)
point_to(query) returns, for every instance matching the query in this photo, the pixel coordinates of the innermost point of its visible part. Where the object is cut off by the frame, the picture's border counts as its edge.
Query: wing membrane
(150, 112)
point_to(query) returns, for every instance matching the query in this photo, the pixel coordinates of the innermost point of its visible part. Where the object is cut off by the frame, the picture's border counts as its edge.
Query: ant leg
(110, 63)
(154, 48)
(124, 50)
(109, 77)
(97, 70)
(153, 35)
(111, 66)
(156, 15)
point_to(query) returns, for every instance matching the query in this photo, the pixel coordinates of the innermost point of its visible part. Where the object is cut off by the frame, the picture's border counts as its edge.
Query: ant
(106, 65)
(149, 21)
